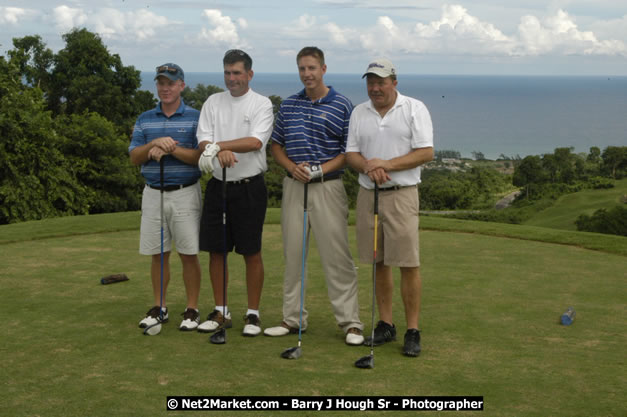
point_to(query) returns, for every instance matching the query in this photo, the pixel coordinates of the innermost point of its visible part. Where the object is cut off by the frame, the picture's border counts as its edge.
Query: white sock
(221, 309)
(255, 312)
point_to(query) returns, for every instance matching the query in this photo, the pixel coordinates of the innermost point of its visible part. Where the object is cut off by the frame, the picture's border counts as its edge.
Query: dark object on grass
(111, 279)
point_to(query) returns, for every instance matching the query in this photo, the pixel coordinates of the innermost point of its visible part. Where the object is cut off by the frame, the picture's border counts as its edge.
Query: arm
(142, 154)
(359, 164)
(297, 171)
(411, 160)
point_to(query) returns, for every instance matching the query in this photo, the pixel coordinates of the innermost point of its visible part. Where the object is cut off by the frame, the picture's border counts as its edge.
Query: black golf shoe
(383, 333)
(412, 343)
(252, 325)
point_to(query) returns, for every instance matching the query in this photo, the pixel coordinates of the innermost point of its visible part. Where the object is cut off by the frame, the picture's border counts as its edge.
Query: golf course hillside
(492, 299)
(569, 207)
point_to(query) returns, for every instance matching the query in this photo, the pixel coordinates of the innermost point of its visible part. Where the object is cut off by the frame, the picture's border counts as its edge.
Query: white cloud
(242, 23)
(222, 29)
(11, 15)
(560, 34)
(111, 23)
(459, 32)
(140, 24)
(66, 18)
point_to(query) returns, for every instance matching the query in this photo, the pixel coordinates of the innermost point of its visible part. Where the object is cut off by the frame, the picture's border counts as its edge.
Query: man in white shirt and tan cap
(390, 137)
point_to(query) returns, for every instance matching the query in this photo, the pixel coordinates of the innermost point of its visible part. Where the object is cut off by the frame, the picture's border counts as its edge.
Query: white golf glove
(205, 163)
(315, 171)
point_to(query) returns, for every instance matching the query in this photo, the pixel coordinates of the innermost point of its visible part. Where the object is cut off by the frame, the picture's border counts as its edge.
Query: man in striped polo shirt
(169, 131)
(309, 140)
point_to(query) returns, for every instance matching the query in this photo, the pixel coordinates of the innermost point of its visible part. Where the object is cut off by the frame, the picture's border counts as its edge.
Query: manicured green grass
(568, 208)
(491, 305)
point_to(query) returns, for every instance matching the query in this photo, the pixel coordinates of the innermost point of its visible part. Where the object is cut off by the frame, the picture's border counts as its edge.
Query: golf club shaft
(302, 272)
(374, 261)
(224, 243)
(161, 180)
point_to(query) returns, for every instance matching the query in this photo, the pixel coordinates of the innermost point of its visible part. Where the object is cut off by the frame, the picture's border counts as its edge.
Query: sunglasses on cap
(164, 68)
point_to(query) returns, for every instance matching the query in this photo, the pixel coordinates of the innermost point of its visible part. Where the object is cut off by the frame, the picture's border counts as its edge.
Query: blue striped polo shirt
(313, 132)
(180, 126)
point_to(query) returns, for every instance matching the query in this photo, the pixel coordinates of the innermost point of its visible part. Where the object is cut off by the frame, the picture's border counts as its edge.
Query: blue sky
(529, 37)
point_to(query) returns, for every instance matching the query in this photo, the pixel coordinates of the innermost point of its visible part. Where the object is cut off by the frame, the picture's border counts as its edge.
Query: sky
(460, 37)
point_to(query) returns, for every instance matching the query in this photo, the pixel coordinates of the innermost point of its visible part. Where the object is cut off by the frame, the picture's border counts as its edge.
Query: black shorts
(246, 205)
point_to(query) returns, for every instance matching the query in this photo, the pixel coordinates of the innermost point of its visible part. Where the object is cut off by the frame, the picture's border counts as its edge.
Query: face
(311, 72)
(169, 91)
(382, 91)
(236, 78)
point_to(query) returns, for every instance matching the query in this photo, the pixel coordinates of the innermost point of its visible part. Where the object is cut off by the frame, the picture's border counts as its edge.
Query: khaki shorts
(397, 230)
(181, 220)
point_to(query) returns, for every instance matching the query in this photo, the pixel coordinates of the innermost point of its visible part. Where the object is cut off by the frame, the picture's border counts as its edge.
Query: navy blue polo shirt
(313, 132)
(180, 126)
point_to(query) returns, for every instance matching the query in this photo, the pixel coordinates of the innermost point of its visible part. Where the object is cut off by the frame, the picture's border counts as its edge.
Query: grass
(568, 208)
(491, 305)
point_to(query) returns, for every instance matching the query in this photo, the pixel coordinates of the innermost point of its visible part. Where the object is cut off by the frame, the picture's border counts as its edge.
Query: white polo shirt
(224, 117)
(405, 127)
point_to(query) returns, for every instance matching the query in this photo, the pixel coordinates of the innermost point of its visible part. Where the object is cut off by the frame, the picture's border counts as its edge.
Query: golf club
(367, 362)
(296, 352)
(155, 329)
(219, 337)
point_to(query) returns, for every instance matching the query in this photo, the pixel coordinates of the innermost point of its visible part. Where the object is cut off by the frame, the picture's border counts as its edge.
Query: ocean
(495, 115)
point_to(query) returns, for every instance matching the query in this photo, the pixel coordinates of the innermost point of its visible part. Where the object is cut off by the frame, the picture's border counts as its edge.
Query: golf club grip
(376, 198)
(161, 181)
(305, 197)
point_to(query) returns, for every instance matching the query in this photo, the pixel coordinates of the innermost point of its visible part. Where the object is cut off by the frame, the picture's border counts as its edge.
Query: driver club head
(292, 353)
(367, 362)
(219, 337)
(153, 330)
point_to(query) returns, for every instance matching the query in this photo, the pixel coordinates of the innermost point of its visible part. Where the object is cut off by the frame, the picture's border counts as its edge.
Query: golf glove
(205, 163)
(315, 171)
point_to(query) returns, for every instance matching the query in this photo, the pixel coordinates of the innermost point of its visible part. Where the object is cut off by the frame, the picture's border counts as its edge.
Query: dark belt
(325, 177)
(172, 187)
(396, 187)
(243, 180)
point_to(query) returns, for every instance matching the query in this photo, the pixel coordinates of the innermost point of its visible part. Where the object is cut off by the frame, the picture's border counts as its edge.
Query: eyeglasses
(165, 68)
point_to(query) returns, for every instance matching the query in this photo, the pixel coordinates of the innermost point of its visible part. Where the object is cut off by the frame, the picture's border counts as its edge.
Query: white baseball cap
(381, 67)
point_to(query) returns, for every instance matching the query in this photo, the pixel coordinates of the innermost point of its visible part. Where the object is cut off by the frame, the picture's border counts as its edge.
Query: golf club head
(219, 337)
(153, 329)
(367, 362)
(292, 353)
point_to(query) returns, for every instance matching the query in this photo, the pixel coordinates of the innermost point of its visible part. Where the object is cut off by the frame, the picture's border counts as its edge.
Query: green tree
(197, 96)
(98, 152)
(87, 78)
(614, 161)
(36, 181)
(33, 60)
(528, 172)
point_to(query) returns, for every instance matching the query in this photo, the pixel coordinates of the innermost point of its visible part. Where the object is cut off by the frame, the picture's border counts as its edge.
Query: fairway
(567, 208)
(491, 307)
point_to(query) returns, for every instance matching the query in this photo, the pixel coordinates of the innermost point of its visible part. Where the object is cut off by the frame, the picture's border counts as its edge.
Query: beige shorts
(397, 230)
(181, 220)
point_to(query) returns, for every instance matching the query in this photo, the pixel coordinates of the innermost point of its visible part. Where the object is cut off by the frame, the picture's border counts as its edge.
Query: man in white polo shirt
(390, 137)
(233, 130)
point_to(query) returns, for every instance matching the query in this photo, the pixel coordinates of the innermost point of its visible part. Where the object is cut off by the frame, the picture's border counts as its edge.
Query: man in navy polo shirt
(169, 131)
(309, 140)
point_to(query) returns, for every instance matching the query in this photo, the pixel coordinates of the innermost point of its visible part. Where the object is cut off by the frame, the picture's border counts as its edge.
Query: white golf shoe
(282, 330)
(215, 320)
(152, 317)
(252, 325)
(191, 318)
(354, 337)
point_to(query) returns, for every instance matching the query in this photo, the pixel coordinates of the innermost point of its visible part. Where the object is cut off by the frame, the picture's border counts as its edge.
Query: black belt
(172, 187)
(325, 177)
(396, 187)
(244, 180)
